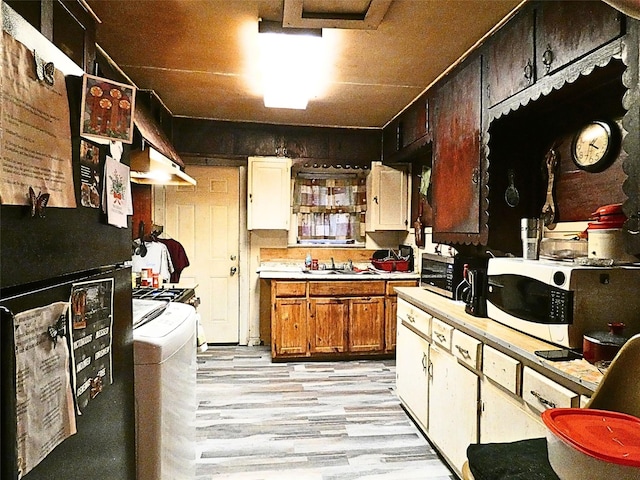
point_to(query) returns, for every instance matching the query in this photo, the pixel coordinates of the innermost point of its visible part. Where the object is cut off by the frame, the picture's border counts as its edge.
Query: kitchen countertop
(574, 372)
(297, 273)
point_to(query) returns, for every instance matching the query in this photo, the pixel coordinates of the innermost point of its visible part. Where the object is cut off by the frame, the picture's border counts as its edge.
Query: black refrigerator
(42, 261)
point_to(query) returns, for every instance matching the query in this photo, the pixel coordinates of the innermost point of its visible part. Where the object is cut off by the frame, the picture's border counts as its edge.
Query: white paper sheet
(45, 412)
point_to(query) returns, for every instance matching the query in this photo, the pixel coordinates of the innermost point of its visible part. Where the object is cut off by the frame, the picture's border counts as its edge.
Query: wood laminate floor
(258, 420)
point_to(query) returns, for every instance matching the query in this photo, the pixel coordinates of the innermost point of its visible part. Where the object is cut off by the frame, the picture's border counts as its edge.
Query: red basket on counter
(389, 261)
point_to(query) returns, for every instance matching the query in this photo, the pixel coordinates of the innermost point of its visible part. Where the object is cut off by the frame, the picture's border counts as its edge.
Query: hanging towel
(157, 258)
(178, 257)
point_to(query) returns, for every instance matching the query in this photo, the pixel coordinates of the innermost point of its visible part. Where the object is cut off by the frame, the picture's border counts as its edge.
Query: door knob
(232, 257)
(233, 271)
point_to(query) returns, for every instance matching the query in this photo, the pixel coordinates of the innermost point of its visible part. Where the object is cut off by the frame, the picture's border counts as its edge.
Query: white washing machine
(164, 350)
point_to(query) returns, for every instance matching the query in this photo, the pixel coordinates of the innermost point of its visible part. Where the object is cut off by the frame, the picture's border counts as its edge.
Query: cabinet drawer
(391, 285)
(467, 349)
(290, 289)
(357, 288)
(414, 317)
(502, 369)
(542, 393)
(441, 333)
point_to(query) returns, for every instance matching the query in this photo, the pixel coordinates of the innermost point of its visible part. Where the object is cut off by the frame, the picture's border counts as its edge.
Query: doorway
(206, 219)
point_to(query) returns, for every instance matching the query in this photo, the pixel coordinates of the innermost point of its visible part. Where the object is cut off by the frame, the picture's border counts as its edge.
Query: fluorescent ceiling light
(291, 62)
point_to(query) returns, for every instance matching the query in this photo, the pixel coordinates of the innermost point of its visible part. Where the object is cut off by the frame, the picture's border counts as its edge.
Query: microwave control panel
(560, 306)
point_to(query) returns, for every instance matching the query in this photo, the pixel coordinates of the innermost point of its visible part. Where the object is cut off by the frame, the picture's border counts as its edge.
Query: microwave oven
(558, 302)
(443, 274)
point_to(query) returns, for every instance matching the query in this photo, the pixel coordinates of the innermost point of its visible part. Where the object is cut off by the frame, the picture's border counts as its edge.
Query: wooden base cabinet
(330, 318)
(327, 325)
(290, 321)
(366, 324)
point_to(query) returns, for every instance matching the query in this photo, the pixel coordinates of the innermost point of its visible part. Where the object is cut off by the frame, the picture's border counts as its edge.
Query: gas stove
(182, 295)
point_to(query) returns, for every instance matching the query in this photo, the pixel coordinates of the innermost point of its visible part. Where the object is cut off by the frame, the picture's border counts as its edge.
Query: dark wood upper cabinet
(510, 59)
(566, 31)
(458, 166)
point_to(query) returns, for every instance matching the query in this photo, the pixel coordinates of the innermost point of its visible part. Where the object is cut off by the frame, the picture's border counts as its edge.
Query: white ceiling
(200, 55)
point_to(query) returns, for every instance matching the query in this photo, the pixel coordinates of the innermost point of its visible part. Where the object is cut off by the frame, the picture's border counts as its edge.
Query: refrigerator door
(104, 445)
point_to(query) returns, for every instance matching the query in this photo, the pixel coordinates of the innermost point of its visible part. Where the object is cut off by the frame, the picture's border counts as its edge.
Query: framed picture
(107, 109)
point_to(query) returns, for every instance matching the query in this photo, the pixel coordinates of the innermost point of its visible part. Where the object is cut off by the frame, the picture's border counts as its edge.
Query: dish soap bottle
(307, 261)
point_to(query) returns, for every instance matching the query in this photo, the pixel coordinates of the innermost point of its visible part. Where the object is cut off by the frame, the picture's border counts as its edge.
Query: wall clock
(596, 145)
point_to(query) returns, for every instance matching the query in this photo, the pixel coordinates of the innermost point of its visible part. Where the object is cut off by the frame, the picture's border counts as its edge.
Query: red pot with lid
(608, 216)
(603, 345)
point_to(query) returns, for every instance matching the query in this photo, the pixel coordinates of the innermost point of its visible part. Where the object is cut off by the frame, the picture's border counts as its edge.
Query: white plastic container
(608, 243)
(592, 444)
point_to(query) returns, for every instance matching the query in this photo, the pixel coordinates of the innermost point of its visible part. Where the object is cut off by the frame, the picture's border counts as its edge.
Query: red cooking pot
(603, 346)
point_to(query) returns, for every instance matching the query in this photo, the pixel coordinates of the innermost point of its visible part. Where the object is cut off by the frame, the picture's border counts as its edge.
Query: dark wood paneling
(195, 137)
(142, 208)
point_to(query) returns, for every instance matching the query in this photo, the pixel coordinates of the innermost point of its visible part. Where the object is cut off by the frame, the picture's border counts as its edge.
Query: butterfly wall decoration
(44, 70)
(38, 203)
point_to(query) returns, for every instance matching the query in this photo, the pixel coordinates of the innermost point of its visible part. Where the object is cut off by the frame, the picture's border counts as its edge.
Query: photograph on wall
(91, 338)
(90, 174)
(107, 109)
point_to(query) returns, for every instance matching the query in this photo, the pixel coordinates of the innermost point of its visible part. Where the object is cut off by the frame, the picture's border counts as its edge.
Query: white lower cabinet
(505, 417)
(453, 407)
(461, 391)
(412, 363)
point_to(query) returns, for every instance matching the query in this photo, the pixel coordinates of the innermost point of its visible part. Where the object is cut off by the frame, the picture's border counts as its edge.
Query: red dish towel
(178, 257)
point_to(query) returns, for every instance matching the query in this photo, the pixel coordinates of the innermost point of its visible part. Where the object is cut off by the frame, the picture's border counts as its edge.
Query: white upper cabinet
(268, 193)
(387, 197)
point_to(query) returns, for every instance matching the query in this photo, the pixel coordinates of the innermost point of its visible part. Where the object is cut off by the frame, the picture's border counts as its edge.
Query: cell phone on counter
(559, 355)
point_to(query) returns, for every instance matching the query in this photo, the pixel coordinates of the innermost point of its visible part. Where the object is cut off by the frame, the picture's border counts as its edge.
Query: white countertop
(295, 271)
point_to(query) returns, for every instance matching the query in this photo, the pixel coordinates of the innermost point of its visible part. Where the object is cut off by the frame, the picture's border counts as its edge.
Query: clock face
(592, 146)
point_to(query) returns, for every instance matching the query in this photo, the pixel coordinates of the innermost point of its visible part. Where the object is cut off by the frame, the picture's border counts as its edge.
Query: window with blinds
(330, 208)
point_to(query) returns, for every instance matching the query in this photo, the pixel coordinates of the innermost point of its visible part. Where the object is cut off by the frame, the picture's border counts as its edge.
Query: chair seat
(521, 460)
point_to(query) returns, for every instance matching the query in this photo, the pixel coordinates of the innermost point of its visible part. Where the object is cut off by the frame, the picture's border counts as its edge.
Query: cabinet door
(412, 363)
(366, 324)
(505, 417)
(390, 323)
(566, 31)
(457, 174)
(289, 327)
(387, 197)
(510, 59)
(453, 407)
(327, 325)
(268, 193)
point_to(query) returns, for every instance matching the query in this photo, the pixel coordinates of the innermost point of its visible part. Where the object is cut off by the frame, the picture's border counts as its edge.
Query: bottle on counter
(307, 261)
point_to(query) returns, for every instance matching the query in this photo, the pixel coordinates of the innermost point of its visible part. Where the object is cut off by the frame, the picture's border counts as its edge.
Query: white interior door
(206, 220)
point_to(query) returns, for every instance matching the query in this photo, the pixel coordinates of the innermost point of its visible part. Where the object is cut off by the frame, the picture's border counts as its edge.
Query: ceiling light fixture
(290, 62)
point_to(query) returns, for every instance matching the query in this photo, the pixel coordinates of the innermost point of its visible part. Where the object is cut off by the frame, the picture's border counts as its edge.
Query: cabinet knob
(475, 176)
(528, 71)
(547, 58)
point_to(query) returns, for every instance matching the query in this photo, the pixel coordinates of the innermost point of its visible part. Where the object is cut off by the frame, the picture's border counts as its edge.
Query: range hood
(151, 167)
(154, 160)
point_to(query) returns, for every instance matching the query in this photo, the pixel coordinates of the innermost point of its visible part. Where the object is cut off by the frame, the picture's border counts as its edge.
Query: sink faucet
(333, 264)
